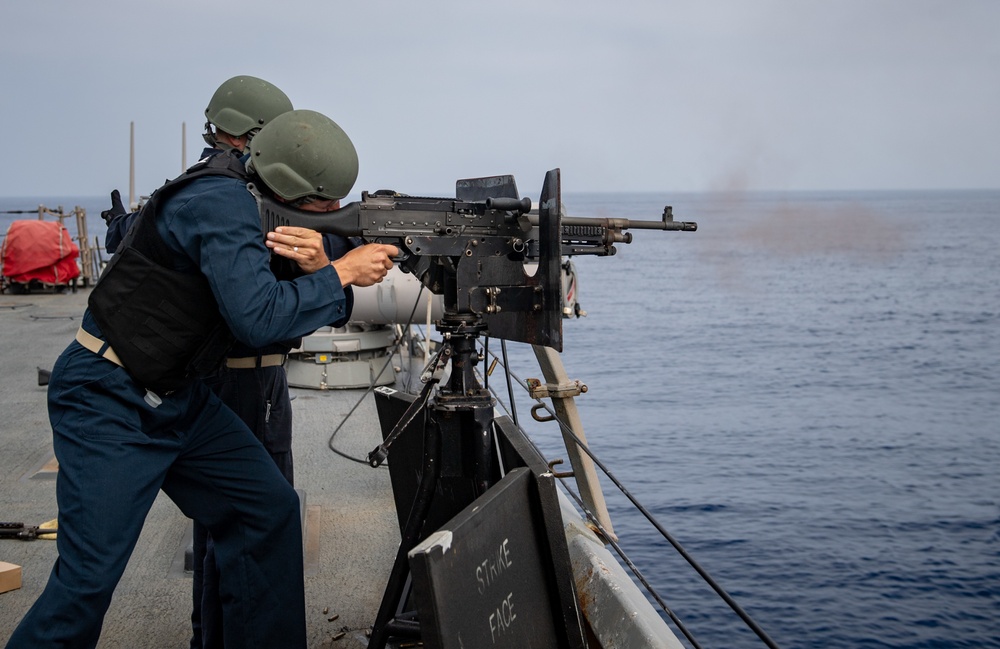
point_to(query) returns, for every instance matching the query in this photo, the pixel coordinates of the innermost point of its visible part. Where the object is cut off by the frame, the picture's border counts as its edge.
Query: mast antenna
(131, 165)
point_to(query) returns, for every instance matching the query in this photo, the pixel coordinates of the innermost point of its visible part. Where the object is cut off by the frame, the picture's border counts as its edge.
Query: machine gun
(472, 249)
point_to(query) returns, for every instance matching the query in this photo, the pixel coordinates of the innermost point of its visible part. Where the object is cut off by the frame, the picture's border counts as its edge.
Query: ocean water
(806, 394)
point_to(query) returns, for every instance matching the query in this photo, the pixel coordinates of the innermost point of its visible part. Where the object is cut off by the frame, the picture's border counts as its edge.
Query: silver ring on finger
(295, 248)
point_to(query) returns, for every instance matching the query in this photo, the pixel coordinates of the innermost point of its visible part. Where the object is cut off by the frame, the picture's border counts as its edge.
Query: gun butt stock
(345, 222)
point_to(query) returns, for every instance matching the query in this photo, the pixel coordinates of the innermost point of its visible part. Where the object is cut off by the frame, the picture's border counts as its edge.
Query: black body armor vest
(164, 324)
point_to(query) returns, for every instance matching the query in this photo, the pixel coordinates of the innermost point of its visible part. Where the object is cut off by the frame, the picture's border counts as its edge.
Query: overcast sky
(646, 95)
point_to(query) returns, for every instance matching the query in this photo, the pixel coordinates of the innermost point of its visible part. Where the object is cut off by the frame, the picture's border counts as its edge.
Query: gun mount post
(458, 450)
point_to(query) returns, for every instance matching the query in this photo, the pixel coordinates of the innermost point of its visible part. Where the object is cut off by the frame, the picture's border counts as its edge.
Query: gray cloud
(665, 96)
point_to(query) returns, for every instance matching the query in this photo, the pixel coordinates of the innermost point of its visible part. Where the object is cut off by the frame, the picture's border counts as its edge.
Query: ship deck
(350, 527)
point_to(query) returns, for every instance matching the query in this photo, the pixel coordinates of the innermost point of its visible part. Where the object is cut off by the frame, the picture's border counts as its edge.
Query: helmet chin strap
(209, 135)
(259, 199)
(267, 205)
(221, 140)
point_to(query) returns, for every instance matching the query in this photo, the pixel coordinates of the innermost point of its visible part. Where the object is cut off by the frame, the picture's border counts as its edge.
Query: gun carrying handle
(519, 205)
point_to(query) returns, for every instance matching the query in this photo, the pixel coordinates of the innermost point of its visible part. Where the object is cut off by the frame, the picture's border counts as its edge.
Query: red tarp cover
(39, 250)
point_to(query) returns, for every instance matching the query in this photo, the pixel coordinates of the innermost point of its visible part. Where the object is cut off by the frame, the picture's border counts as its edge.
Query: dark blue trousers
(115, 454)
(259, 396)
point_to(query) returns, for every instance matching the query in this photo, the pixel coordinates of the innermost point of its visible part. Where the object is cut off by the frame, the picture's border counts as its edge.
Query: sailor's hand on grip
(365, 265)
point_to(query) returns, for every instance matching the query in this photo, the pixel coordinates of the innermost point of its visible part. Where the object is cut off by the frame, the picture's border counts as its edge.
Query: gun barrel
(623, 224)
(629, 224)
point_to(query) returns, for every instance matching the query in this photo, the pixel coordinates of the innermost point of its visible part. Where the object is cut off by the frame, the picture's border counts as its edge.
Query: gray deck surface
(351, 532)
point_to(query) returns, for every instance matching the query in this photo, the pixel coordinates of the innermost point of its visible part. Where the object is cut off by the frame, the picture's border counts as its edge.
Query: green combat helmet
(243, 104)
(303, 153)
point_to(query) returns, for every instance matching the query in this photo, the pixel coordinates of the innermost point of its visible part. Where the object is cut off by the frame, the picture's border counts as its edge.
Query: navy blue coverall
(116, 452)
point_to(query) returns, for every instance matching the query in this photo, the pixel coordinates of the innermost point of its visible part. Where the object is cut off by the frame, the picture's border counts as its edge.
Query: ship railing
(576, 445)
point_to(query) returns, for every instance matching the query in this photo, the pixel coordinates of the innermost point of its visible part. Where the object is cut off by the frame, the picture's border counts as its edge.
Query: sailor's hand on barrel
(301, 245)
(365, 265)
(117, 209)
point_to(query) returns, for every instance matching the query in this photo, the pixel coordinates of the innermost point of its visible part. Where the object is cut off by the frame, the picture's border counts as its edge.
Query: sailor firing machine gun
(475, 251)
